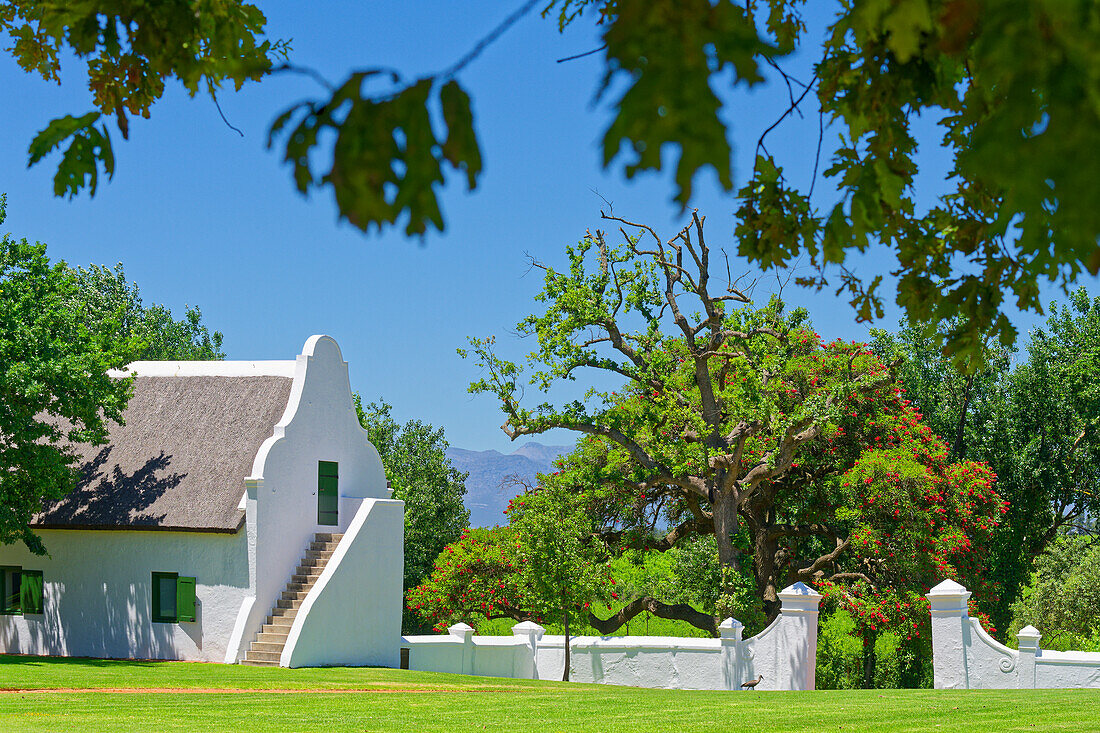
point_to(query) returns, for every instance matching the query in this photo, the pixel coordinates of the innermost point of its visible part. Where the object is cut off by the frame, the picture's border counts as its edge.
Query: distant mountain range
(496, 477)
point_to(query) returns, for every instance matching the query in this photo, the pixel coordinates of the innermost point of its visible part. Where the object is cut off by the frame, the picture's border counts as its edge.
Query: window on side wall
(173, 598)
(20, 591)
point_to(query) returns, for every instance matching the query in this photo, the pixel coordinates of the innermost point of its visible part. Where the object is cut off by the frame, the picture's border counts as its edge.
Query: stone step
(290, 605)
(302, 582)
(328, 537)
(312, 562)
(272, 657)
(286, 613)
(294, 595)
(282, 629)
(272, 637)
(309, 569)
(320, 554)
(267, 646)
(315, 546)
(257, 663)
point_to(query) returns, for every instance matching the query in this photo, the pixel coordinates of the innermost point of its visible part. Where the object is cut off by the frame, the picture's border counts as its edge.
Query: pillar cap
(1029, 634)
(799, 599)
(461, 629)
(731, 628)
(527, 628)
(948, 588)
(799, 590)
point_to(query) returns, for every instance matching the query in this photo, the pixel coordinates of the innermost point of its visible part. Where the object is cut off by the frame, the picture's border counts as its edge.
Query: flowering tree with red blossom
(479, 576)
(912, 519)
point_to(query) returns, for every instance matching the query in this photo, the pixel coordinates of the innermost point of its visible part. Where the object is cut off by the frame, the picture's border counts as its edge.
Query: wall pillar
(730, 632)
(531, 633)
(1028, 639)
(950, 635)
(799, 610)
(465, 634)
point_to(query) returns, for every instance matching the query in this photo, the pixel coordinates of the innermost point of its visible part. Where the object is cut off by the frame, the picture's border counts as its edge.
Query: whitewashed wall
(784, 653)
(319, 424)
(97, 594)
(460, 652)
(964, 656)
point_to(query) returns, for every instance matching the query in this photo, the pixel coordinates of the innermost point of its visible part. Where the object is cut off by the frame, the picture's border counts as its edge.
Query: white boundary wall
(784, 653)
(964, 656)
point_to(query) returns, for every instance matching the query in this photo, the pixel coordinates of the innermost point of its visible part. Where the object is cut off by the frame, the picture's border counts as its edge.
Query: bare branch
(675, 612)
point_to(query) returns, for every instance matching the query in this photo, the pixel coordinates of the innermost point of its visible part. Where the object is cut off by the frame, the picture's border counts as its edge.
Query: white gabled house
(240, 515)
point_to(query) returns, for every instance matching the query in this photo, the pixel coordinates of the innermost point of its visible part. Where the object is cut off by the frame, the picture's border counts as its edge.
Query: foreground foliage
(1009, 84)
(437, 702)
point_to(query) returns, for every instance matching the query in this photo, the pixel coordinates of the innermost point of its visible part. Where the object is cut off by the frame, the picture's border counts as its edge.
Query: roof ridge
(271, 368)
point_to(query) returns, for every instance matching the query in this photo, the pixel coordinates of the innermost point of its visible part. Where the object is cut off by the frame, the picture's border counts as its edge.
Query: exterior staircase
(268, 646)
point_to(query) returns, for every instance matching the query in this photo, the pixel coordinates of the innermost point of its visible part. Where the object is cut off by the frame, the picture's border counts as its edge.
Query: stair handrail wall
(354, 606)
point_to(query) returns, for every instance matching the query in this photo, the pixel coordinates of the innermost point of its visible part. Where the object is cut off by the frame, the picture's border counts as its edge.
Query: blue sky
(199, 215)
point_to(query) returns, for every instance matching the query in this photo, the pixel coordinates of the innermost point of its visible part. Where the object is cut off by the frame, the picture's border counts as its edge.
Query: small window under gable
(328, 497)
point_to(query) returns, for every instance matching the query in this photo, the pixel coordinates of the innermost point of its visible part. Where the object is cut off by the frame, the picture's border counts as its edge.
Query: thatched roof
(180, 460)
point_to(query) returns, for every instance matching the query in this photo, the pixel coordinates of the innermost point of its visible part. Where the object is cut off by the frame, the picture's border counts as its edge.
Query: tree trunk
(565, 612)
(958, 450)
(869, 637)
(725, 527)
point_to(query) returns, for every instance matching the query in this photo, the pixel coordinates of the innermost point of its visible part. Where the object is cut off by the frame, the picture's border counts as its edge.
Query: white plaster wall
(486, 656)
(98, 594)
(1067, 669)
(990, 664)
(281, 503)
(352, 614)
(636, 661)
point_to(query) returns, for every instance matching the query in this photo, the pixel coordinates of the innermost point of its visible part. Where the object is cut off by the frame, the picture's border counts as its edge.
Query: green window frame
(11, 581)
(328, 493)
(173, 598)
(21, 591)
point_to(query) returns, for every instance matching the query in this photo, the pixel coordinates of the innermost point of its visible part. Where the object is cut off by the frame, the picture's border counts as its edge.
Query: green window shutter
(30, 591)
(185, 599)
(328, 492)
(164, 597)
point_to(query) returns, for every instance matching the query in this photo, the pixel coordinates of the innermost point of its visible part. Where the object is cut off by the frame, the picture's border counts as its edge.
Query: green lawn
(437, 702)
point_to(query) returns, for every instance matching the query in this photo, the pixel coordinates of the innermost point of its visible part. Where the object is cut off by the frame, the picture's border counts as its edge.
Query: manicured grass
(455, 703)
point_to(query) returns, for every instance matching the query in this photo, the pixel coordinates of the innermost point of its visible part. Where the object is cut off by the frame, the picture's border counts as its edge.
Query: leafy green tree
(1061, 599)
(1010, 84)
(53, 383)
(109, 300)
(421, 475)
(562, 569)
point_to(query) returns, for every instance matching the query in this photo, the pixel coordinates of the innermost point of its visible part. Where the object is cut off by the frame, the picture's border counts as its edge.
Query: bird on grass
(751, 684)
